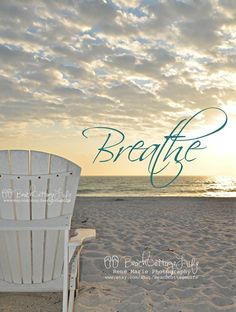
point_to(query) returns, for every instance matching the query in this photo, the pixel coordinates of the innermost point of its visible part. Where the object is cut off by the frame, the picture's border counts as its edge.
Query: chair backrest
(34, 186)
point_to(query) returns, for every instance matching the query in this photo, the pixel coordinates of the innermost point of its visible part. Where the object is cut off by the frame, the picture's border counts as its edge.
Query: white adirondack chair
(37, 196)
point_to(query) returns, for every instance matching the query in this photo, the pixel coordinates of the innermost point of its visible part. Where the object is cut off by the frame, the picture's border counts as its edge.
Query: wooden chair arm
(81, 236)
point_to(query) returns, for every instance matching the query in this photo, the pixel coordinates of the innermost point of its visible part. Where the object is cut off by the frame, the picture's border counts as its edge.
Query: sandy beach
(196, 233)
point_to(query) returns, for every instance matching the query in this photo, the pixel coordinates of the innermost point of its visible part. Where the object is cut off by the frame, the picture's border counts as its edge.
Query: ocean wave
(86, 190)
(140, 186)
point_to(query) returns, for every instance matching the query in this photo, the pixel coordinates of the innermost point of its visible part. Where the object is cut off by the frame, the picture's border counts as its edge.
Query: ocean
(140, 186)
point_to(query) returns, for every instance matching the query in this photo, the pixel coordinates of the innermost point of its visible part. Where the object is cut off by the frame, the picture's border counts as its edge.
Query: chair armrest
(81, 236)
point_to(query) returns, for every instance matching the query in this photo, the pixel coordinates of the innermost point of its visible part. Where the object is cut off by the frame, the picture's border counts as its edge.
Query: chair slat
(54, 209)
(39, 165)
(71, 186)
(57, 223)
(20, 165)
(1, 270)
(9, 256)
(4, 262)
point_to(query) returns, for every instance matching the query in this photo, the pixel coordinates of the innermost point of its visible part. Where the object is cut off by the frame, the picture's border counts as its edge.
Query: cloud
(78, 63)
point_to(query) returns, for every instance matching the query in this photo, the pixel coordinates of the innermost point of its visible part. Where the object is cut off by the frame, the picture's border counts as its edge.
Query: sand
(201, 230)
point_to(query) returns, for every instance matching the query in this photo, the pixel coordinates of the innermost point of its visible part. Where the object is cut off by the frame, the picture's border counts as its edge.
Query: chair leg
(71, 300)
(65, 273)
(78, 272)
(73, 280)
(64, 305)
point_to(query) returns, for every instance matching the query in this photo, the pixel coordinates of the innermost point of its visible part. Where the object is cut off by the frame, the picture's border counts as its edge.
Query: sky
(137, 66)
